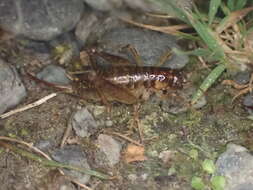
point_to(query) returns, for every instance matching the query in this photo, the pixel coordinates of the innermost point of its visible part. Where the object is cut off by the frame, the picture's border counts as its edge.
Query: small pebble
(242, 77)
(108, 123)
(109, 153)
(73, 155)
(167, 155)
(83, 123)
(248, 103)
(54, 74)
(43, 145)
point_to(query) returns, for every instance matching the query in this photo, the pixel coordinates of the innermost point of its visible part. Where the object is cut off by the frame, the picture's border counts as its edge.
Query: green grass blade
(207, 35)
(203, 30)
(213, 8)
(234, 5)
(209, 80)
(233, 18)
(52, 163)
(231, 4)
(187, 36)
(240, 4)
(209, 56)
(225, 9)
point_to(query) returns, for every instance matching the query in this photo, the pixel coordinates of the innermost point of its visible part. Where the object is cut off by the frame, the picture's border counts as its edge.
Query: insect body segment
(129, 84)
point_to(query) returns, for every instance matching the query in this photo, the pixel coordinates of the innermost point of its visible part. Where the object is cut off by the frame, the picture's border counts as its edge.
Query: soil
(206, 130)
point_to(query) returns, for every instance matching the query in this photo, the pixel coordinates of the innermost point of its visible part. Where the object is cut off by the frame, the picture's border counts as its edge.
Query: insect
(126, 84)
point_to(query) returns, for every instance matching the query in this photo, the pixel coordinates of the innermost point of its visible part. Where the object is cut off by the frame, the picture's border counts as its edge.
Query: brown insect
(127, 84)
(124, 83)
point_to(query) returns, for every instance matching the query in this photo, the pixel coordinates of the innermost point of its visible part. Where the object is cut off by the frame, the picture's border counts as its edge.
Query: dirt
(206, 130)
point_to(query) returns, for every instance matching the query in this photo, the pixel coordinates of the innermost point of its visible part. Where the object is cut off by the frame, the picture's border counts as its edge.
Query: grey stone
(248, 103)
(40, 20)
(12, 90)
(104, 5)
(148, 6)
(86, 25)
(248, 100)
(109, 153)
(73, 155)
(150, 45)
(83, 123)
(54, 74)
(236, 164)
(43, 145)
(242, 77)
(93, 25)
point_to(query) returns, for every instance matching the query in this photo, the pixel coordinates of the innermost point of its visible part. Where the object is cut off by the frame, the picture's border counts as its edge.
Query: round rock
(248, 102)
(44, 145)
(242, 77)
(12, 90)
(40, 19)
(83, 123)
(236, 164)
(109, 151)
(73, 155)
(54, 74)
(150, 45)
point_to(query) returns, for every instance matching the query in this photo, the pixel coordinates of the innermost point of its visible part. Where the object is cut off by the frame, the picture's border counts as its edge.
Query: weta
(124, 83)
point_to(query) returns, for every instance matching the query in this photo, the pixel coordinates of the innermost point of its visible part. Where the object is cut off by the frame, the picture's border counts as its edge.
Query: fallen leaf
(134, 153)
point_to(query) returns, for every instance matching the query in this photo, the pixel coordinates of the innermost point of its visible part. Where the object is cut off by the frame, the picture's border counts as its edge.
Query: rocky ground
(176, 138)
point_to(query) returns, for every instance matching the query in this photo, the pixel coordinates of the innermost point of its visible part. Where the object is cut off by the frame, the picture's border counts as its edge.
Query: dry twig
(244, 88)
(29, 145)
(29, 106)
(126, 138)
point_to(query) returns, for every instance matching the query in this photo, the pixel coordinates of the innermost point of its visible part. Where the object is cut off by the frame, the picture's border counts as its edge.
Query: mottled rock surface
(40, 20)
(83, 123)
(109, 151)
(54, 74)
(73, 155)
(150, 45)
(236, 164)
(12, 90)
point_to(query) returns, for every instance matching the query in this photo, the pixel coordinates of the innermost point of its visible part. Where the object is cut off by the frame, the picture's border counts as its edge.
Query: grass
(223, 33)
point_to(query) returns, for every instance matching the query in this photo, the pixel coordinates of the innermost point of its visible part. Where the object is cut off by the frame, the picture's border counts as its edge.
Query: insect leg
(134, 53)
(164, 57)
